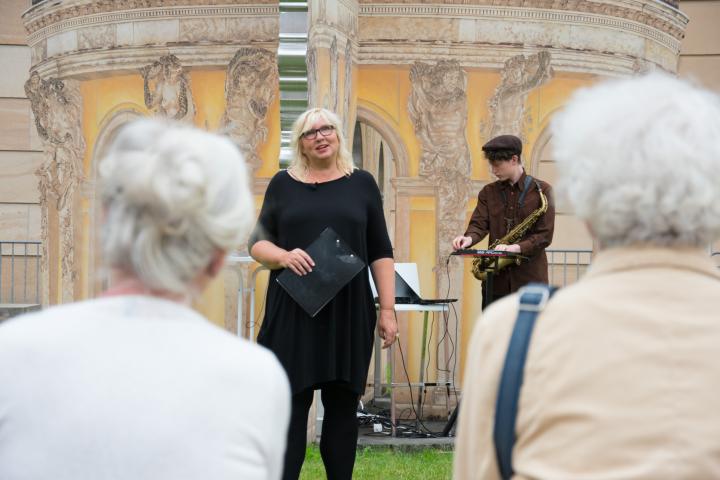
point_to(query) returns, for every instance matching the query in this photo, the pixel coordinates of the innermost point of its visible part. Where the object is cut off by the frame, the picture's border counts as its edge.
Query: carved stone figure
(57, 106)
(519, 76)
(438, 110)
(252, 79)
(167, 89)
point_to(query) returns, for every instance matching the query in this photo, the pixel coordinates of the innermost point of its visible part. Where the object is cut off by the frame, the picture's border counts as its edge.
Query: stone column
(57, 107)
(438, 109)
(332, 58)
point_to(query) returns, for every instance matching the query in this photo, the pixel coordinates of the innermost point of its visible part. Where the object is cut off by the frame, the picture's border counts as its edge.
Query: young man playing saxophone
(514, 213)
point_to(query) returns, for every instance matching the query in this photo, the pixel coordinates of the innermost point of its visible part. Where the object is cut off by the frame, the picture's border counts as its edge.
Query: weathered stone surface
(12, 79)
(100, 36)
(15, 119)
(20, 221)
(17, 174)
(250, 86)
(167, 89)
(11, 29)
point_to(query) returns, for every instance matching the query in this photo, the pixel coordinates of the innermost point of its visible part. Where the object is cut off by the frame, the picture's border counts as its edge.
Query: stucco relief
(259, 29)
(96, 37)
(167, 89)
(347, 88)
(250, 86)
(312, 76)
(519, 76)
(438, 110)
(202, 30)
(38, 52)
(663, 19)
(331, 97)
(57, 107)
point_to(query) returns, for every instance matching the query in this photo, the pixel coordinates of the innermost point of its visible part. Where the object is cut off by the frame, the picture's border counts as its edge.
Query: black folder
(335, 265)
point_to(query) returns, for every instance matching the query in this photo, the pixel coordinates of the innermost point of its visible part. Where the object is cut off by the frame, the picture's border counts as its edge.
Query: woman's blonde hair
(299, 164)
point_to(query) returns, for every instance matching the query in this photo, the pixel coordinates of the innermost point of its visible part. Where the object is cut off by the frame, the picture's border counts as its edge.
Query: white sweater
(137, 388)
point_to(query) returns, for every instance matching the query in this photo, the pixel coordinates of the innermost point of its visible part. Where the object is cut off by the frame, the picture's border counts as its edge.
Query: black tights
(338, 440)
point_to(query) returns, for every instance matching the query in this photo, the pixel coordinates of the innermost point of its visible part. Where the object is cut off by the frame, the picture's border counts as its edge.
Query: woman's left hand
(387, 327)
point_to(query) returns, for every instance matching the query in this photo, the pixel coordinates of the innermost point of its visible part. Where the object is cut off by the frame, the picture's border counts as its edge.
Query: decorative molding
(349, 60)
(438, 110)
(167, 90)
(344, 18)
(93, 64)
(418, 187)
(42, 24)
(250, 86)
(660, 26)
(390, 135)
(519, 77)
(494, 57)
(57, 108)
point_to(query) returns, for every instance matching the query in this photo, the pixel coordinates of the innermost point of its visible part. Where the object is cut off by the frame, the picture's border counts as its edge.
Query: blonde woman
(330, 352)
(135, 384)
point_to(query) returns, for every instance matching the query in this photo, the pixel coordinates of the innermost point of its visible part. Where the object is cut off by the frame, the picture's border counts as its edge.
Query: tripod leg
(451, 421)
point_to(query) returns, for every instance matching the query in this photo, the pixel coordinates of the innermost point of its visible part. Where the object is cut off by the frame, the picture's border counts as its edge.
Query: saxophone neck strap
(526, 187)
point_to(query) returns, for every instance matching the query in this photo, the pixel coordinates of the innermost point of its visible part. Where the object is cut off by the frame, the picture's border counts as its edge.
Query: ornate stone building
(420, 85)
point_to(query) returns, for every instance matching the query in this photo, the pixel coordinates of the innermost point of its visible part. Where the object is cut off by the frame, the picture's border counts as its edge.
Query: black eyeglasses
(325, 130)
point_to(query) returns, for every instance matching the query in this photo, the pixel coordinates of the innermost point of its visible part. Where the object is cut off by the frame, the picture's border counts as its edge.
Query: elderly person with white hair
(621, 378)
(135, 384)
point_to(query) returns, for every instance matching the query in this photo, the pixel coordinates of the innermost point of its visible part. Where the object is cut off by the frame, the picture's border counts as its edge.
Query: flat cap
(504, 142)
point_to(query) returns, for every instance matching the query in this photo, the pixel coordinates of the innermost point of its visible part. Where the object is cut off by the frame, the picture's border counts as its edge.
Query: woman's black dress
(336, 344)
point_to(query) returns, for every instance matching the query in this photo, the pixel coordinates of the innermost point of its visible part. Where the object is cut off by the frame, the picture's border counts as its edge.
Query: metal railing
(567, 266)
(20, 272)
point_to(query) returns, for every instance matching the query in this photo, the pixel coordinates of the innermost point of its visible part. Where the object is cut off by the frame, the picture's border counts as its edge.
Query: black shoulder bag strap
(533, 298)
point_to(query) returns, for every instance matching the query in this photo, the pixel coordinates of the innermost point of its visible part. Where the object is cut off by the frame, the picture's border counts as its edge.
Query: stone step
(8, 310)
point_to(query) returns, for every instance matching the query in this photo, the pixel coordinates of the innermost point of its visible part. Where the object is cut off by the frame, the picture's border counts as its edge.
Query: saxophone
(483, 265)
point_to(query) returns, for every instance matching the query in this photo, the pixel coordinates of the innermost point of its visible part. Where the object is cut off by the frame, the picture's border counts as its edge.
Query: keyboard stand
(378, 384)
(487, 299)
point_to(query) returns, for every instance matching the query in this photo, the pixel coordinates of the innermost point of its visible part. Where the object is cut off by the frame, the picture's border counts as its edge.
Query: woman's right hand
(298, 261)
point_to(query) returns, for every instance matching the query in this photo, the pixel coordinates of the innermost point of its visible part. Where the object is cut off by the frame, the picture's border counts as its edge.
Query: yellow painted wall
(382, 89)
(104, 97)
(385, 90)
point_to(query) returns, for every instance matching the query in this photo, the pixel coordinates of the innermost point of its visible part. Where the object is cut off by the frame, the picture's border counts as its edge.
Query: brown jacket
(499, 201)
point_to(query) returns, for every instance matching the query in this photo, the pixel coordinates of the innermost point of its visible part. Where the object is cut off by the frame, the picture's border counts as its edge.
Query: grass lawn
(375, 463)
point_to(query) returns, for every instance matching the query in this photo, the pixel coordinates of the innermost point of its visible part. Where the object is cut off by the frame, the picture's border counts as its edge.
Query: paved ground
(409, 435)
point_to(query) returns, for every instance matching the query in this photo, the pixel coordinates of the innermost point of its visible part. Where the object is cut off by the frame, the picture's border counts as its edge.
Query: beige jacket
(622, 379)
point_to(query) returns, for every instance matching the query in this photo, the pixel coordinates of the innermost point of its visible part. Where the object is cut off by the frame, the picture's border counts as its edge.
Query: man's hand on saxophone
(514, 248)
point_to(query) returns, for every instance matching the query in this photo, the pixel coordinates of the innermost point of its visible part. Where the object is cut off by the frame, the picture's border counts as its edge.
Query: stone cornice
(556, 4)
(125, 15)
(494, 57)
(85, 65)
(417, 186)
(650, 18)
(45, 14)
